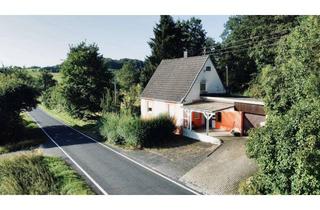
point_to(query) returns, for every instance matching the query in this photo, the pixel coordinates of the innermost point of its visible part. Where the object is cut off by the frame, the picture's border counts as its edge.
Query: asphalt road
(107, 170)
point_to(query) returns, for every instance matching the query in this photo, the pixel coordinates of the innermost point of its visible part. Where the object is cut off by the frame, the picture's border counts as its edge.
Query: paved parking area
(223, 170)
(176, 158)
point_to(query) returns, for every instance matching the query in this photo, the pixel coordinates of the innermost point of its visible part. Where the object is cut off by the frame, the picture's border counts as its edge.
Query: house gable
(173, 78)
(211, 79)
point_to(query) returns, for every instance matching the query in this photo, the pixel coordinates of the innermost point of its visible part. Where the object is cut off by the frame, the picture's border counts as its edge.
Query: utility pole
(227, 76)
(115, 91)
(227, 79)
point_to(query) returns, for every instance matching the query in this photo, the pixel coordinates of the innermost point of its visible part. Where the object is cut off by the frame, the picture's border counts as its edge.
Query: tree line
(92, 84)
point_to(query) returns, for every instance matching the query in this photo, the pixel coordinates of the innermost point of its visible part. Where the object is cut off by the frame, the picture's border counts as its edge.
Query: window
(202, 86)
(208, 68)
(149, 106)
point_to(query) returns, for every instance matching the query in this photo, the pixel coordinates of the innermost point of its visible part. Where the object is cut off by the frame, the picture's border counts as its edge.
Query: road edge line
(128, 158)
(72, 160)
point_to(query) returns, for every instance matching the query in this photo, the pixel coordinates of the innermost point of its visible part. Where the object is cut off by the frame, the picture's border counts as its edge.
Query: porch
(214, 132)
(200, 120)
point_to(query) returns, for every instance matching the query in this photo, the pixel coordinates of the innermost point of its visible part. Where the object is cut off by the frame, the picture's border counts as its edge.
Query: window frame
(149, 106)
(203, 82)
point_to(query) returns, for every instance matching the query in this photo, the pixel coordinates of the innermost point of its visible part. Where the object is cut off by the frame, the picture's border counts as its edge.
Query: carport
(207, 108)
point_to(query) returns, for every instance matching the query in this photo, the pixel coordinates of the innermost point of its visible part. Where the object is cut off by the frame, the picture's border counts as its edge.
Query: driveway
(106, 169)
(223, 170)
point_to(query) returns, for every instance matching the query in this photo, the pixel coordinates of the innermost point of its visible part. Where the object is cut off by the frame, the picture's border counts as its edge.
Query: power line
(237, 50)
(247, 45)
(250, 43)
(278, 32)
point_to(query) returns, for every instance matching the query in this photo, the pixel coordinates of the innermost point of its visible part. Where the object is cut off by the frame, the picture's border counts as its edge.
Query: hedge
(135, 132)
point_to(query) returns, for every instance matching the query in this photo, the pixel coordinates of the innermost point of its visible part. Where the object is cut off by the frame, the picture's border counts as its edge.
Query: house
(189, 89)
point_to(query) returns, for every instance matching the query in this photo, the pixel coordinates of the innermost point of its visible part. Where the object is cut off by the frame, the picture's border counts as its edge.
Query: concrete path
(223, 170)
(107, 170)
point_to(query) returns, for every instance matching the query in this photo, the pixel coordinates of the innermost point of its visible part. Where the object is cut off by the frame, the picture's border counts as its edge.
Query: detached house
(184, 89)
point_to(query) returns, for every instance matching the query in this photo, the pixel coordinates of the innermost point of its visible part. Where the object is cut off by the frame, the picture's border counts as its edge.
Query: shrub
(52, 98)
(109, 128)
(287, 151)
(157, 130)
(287, 148)
(136, 132)
(131, 130)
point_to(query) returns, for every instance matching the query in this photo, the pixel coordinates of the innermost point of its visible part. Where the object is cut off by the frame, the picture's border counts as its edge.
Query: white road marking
(128, 158)
(74, 162)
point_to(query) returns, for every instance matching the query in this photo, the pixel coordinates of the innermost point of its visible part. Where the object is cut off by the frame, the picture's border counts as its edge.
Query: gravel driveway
(222, 171)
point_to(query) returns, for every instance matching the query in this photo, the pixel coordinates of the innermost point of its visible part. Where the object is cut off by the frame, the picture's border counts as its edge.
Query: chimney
(185, 54)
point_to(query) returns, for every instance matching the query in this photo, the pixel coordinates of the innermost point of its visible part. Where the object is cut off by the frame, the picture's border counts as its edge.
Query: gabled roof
(173, 78)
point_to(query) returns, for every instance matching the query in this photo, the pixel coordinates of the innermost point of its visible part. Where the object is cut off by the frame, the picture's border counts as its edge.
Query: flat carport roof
(208, 106)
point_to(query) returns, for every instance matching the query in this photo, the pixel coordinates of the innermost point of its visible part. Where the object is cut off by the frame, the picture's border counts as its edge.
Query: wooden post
(208, 117)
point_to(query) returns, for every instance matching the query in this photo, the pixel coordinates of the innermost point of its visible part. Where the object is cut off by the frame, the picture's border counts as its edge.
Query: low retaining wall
(200, 136)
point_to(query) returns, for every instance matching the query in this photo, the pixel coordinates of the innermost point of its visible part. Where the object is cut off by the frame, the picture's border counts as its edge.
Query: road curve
(107, 170)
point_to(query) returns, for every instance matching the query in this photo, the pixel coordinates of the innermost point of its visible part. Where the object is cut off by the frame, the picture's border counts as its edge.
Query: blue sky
(44, 40)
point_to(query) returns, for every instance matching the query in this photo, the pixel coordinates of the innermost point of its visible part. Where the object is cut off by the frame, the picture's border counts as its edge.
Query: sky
(45, 40)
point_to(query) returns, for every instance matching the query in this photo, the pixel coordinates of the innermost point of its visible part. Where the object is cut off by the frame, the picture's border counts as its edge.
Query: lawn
(32, 137)
(35, 174)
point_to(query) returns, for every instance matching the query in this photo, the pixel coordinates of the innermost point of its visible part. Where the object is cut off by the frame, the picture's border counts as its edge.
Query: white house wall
(213, 83)
(160, 107)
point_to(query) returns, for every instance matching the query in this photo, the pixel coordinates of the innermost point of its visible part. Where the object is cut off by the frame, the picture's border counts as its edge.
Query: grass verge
(34, 174)
(89, 127)
(32, 136)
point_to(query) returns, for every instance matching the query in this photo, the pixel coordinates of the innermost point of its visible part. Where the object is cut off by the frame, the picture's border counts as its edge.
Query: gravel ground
(176, 158)
(222, 171)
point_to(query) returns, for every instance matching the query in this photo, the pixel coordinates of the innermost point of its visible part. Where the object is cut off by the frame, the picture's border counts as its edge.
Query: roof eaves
(162, 100)
(194, 80)
(150, 79)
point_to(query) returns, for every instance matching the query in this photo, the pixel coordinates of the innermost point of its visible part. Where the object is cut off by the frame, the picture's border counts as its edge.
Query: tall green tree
(287, 149)
(170, 40)
(127, 76)
(15, 96)
(84, 79)
(193, 36)
(249, 43)
(166, 42)
(46, 80)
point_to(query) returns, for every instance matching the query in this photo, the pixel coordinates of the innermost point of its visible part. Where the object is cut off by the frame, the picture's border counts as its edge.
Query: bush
(131, 130)
(136, 132)
(52, 98)
(109, 128)
(250, 186)
(287, 148)
(287, 151)
(39, 175)
(156, 131)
